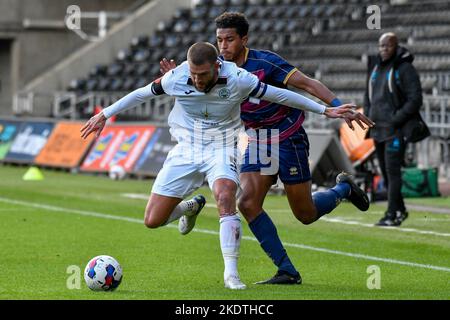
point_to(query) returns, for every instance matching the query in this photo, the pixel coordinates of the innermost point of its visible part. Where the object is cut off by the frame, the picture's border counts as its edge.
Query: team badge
(224, 93)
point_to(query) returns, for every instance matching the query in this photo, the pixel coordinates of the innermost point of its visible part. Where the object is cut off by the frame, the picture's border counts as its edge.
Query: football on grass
(103, 273)
(117, 172)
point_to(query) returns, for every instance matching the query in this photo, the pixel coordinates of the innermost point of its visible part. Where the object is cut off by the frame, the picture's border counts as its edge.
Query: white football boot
(233, 282)
(187, 221)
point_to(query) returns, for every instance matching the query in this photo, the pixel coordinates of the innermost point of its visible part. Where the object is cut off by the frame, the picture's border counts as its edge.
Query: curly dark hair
(233, 20)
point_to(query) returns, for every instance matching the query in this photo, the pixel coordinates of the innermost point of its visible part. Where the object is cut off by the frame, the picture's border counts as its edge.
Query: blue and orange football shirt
(271, 69)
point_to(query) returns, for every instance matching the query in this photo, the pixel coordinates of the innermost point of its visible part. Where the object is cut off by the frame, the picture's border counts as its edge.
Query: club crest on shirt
(224, 93)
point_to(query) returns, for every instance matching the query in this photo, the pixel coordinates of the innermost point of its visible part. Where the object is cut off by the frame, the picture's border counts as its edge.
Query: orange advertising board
(118, 145)
(64, 148)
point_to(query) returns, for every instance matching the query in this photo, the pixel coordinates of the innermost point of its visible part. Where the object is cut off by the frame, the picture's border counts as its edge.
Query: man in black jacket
(393, 96)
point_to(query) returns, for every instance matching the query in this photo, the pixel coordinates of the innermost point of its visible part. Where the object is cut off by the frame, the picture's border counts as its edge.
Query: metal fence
(69, 105)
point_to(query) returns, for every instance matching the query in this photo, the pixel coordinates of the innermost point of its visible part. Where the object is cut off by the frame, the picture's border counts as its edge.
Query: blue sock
(326, 201)
(266, 233)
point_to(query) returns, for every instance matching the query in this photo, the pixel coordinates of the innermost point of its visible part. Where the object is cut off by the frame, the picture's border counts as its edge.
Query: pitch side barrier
(140, 148)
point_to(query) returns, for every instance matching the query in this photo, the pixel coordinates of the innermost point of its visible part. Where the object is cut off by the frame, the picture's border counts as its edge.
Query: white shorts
(185, 170)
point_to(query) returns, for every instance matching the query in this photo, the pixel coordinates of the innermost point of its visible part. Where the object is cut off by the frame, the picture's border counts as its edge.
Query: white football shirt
(199, 118)
(207, 115)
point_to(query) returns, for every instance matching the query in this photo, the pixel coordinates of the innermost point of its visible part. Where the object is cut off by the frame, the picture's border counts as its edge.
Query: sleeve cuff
(286, 79)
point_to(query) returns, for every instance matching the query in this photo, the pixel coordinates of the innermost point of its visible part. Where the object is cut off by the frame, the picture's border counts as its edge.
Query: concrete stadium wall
(5, 74)
(35, 50)
(79, 63)
(17, 10)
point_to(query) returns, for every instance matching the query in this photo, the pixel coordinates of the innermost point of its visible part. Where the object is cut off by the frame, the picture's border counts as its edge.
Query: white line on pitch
(294, 245)
(326, 219)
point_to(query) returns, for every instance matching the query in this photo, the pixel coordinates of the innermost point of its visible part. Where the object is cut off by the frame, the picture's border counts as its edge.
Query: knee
(305, 217)
(150, 222)
(244, 205)
(305, 221)
(248, 209)
(223, 197)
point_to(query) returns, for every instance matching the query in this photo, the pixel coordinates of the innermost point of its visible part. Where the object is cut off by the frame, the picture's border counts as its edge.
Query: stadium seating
(325, 39)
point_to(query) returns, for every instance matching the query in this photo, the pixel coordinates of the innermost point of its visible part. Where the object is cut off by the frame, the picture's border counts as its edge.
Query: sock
(326, 201)
(184, 207)
(266, 233)
(230, 242)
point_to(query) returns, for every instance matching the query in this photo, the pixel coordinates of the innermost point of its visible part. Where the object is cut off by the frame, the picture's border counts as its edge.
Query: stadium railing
(69, 105)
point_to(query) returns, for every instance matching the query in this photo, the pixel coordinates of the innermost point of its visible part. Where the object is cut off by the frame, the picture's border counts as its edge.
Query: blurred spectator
(392, 100)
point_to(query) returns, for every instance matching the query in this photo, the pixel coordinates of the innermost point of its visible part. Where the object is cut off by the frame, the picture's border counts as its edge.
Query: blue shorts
(287, 160)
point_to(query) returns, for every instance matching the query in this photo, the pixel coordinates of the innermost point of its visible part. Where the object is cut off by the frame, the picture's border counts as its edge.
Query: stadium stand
(334, 52)
(326, 39)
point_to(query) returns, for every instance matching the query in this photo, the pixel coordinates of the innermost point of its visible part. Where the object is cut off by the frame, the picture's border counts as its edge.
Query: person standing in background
(393, 97)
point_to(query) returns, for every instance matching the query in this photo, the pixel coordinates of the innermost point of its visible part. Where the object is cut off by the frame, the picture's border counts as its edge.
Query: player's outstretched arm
(319, 90)
(295, 100)
(349, 113)
(94, 124)
(358, 117)
(133, 99)
(314, 87)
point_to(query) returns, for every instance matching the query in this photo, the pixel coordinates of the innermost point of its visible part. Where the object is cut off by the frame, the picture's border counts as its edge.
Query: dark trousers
(391, 155)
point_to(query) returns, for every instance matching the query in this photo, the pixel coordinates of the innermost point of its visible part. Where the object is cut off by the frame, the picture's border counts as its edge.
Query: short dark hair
(202, 52)
(390, 35)
(236, 20)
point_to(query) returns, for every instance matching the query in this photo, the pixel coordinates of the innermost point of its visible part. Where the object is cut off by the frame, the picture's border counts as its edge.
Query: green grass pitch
(48, 227)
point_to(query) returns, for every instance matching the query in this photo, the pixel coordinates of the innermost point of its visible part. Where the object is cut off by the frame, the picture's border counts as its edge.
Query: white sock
(183, 208)
(230, 241)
